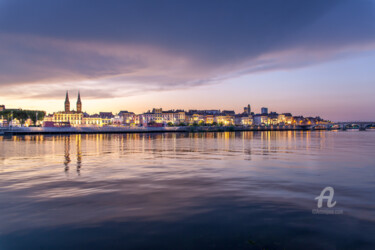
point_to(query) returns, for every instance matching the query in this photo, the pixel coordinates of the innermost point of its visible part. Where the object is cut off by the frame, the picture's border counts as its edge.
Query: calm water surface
(230, 190)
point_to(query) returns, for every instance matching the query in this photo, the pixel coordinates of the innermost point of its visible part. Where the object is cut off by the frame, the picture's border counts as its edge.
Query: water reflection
(217, 190)
(79, 154)
(67, 153)
(68, 140)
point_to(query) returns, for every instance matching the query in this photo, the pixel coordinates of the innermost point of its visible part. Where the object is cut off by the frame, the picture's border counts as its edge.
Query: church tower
(67, 103)
(79, 104)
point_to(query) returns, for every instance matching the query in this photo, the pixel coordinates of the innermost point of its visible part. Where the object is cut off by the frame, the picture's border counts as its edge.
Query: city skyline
(313, 59)
(75, 116)
(77, 108)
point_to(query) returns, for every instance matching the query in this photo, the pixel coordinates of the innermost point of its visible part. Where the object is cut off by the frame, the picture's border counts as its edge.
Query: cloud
(137, 46)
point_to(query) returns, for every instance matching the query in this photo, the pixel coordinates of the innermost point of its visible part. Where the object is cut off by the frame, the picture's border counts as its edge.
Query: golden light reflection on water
(44, 154)
(76, 147)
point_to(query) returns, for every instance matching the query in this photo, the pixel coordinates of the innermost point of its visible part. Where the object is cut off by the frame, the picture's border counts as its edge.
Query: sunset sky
(304, 57)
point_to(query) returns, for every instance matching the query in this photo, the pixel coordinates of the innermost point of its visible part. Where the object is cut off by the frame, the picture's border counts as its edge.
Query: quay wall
(102, 130)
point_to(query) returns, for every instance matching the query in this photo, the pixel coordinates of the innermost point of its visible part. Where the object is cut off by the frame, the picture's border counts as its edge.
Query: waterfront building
(117, 120)
(225, 120)
(92, 120)
(273, 119)
(238, 119)
(210, 116)
(138, 120)
(247, 121)
(179, 116)
(74, 118)
(298, 120)
(315, 121)
(196, 118)
(106, 118)
(244, 120)
(127, 118)
(191, 115)
(281, 120)
(158, 116)
(264, 111)
(209, 119)
(154, 116)
(288, 118)
(202, 116)
(105, 121)
(173, 116)
(261, 119)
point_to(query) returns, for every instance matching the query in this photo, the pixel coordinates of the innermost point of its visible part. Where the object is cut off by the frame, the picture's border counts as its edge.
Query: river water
(224, 190)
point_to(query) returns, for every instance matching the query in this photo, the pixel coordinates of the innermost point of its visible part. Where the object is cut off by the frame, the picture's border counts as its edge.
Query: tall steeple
(67, 103)
(79, 104)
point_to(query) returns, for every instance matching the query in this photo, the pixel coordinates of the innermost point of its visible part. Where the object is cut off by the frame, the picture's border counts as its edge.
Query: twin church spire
(67, 103)
(79, 104)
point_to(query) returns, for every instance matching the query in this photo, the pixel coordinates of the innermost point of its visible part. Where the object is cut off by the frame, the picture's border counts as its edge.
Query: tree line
(22, 115)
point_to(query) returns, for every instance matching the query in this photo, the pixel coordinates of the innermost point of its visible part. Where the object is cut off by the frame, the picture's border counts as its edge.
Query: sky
(313, 57)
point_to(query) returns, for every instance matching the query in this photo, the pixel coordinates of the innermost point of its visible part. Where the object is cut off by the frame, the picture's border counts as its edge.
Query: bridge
(361, 125)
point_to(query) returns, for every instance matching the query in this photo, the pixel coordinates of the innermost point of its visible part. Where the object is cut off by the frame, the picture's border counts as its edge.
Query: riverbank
(105, 130)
